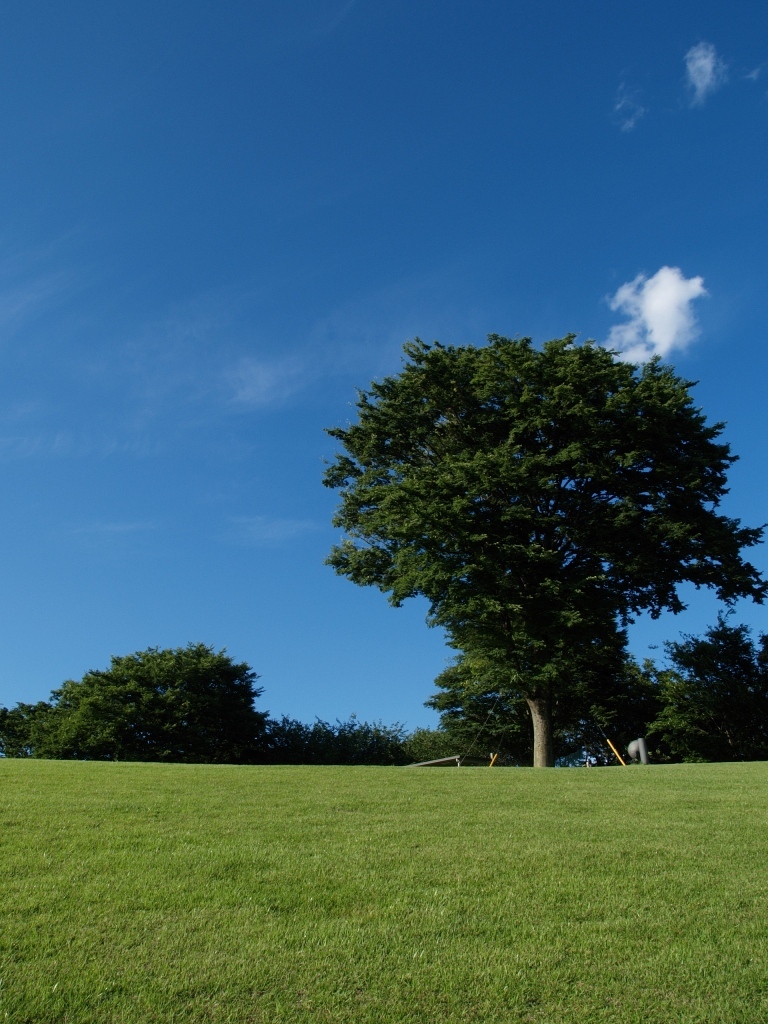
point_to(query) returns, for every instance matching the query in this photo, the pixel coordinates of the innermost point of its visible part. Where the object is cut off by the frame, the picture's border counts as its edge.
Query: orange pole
(621, 759)
(493, 760)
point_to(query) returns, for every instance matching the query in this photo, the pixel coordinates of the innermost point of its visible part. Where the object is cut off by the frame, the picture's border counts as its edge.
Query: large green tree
(184, 704)
(539, 499)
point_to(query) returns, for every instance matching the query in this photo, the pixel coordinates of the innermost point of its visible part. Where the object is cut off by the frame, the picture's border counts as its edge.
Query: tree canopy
(185, 704)
(539, 499)
(189, 704)
(714, 696)
(480, 711)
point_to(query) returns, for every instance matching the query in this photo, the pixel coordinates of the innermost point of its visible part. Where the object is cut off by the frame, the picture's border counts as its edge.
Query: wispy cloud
(36, 282)
(627, 109)
(304, 24)
(214, 354)
(263, 530)
(660, 314)
(337, 16)
(118, 529)
(23, 447)
(21, 303)
(65, 444)
(705, 72)
(256, 383)
(111, 539)
(40, 445)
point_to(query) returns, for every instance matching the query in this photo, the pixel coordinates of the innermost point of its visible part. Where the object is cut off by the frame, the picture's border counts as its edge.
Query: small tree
(429, 744)
(538, 499)
(188, 704)
(714, 697)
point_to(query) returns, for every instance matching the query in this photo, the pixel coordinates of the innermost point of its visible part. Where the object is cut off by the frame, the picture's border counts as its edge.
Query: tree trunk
(543, 745)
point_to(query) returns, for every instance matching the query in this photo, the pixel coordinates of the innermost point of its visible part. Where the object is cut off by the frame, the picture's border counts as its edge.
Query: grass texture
(137, 893)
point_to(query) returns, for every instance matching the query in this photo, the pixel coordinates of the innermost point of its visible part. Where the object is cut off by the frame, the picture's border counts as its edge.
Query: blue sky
(216, 221)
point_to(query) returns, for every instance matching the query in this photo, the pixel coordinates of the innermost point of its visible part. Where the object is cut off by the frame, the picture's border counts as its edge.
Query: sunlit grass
(173, 893)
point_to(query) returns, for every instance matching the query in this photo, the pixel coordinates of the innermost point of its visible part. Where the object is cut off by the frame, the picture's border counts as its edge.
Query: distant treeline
(192, 704)
(196, 705)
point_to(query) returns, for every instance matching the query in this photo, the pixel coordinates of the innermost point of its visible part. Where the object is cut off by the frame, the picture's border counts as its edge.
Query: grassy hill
(138, 893)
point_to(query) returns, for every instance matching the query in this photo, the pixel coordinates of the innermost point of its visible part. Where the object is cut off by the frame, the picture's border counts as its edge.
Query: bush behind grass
(136, 893)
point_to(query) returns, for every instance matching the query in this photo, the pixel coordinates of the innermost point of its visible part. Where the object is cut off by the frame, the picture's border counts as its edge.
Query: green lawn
(134, 893)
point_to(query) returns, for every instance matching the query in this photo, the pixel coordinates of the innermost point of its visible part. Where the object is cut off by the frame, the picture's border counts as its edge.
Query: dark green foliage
(715, 697)
(24, 729)
(430, 744)
(288, 741)
(185, 705)
(480, 717)
(190, 704)
(538, 499)
(624, 712)
(480, 713)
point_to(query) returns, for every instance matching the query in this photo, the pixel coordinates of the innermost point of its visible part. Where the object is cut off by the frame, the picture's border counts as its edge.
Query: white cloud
(660, 314)
(627, 110)
(705, 71)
